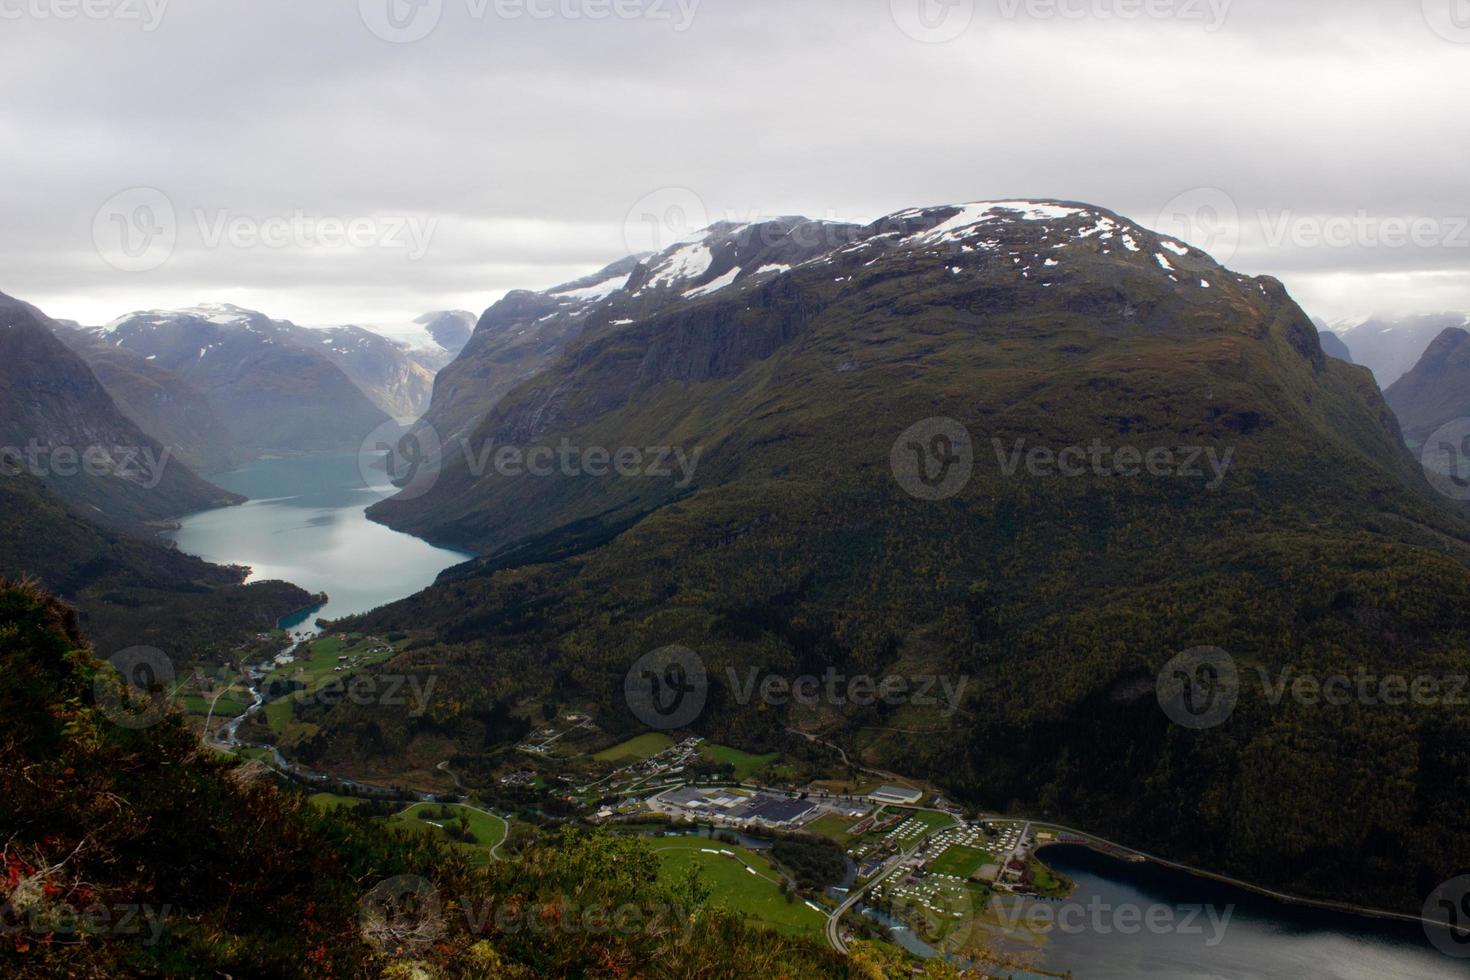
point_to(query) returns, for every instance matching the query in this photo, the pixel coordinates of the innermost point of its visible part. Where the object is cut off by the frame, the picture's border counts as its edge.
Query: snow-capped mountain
(277, 387)
(395, 373)
(517, 336)
(712, 307)
(50, 398)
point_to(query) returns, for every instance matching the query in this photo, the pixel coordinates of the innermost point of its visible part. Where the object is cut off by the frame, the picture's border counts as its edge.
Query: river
(304, 523)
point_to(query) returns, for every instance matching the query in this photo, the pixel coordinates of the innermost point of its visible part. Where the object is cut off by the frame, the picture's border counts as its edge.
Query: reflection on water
(305, 524)
(1204, 930)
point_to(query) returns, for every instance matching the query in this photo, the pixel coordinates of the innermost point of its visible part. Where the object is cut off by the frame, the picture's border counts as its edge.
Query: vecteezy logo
(410, 460)
(402, 916)
(1446, 459)
(668, 688)
(933, 21)
(1447, 917)
(1450, 19)
(934, 459)
(401, 21)
(133, 689)
(135, 230)
(662, 218)
(1205, 217)
(1200, 688)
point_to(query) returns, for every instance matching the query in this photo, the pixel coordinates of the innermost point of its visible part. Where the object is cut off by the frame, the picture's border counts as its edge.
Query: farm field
(960, 861)
(635, 749)
(746, 765)
(332, 801)
(735, 888)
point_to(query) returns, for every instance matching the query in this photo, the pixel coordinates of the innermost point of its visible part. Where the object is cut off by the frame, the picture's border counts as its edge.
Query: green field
(332, 801)
(229, 705)
(832, 826)
(636, 749)
(932, 820)
(489, 830)
(746, 765)
(315, 666)
(733, 887)
(960, 861)
(278, 713)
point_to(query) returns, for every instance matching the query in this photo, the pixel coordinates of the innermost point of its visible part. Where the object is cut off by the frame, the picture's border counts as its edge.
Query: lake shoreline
(1113, 849)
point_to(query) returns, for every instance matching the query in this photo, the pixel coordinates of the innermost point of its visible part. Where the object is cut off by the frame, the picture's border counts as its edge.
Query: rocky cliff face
(396, 381)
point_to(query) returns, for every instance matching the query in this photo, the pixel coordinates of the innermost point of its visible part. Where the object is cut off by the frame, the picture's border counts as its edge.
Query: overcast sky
(334, 161)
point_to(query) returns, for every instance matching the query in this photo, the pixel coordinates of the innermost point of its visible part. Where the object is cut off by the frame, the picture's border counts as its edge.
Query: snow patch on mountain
(687, 262)
(596, 291)
(714, 285)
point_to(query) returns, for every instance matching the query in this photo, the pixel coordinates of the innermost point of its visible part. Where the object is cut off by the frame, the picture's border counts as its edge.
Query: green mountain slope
(130, 851)
(1312, 543)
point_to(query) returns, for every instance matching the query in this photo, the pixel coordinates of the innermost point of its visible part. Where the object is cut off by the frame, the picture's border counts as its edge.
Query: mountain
(66, 529)
(131, 591)
(278, 387)
(1332, 344)
(132, 852)
(433, 339)
(526, 330)
(873, 478)
(1437, 390)
(60, 425)
(161, 403)
(1390, 346)
(396, 380)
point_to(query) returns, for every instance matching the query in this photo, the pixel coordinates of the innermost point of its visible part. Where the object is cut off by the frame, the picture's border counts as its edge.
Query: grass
(1046, 881)
(229, 706)
(278, 713)
(932, 820)
(636, 749)
(960, 861)
(315, 665)
(833, 826)
(746, 765)
(489, 830)
(333, 801)
(735, 888)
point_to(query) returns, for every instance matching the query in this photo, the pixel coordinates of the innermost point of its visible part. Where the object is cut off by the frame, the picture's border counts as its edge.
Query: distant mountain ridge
(1391, 345)
(162, 404)
(1437, 390)
(276, 386)
(91, 455)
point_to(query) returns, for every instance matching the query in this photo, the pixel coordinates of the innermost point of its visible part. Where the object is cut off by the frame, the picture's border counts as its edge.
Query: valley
(733, 661)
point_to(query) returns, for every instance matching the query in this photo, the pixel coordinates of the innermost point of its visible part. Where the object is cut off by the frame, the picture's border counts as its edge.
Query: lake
(305, 524)
(1261, 938)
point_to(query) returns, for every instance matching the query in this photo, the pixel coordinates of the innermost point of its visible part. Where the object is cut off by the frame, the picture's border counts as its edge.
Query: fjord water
(304, 523)
(1262, 938)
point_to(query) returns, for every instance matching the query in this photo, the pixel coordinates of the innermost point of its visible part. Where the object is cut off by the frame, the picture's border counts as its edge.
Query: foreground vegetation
(130, 851)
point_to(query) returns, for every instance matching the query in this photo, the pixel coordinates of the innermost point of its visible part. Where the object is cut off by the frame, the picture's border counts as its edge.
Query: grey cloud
(527, 141)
